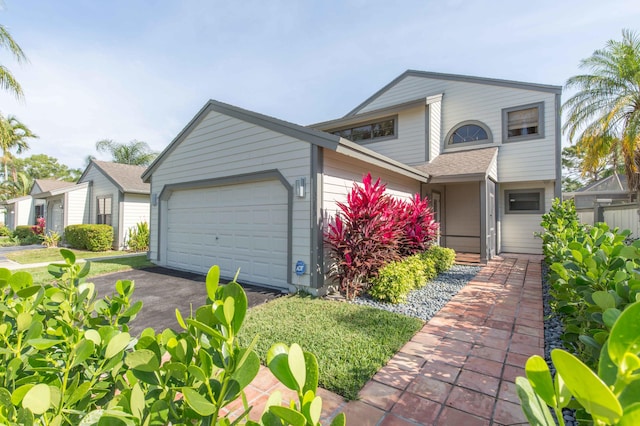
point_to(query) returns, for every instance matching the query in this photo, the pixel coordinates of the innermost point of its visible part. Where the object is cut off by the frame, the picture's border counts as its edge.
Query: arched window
(469, 133)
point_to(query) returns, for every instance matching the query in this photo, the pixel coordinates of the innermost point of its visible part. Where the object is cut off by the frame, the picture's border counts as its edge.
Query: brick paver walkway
(461, 367)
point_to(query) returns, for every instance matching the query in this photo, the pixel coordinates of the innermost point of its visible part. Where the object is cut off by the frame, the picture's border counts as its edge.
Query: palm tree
(13, 136)
(18, 186)
(135, 152)
(7, 80)
(603, 117)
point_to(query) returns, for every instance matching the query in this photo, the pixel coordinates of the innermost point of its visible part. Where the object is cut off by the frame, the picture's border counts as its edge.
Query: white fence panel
(586, 216)
(623, 217)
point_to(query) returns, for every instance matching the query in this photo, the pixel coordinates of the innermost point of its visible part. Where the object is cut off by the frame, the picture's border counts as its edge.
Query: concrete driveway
(163, 290)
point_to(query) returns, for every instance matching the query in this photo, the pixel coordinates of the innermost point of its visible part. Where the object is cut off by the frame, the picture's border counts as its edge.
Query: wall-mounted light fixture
(154, 199)
(300, 187)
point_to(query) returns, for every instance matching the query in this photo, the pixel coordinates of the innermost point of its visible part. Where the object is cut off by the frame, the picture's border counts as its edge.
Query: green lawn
(100, 267)
(351, 342)
(53, 255)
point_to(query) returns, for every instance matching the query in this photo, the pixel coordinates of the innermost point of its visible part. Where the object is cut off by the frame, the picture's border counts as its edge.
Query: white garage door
(236, 226)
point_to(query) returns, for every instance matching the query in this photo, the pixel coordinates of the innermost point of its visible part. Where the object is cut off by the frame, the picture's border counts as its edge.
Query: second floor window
(104, 211)
(523, 123)
(384, 128)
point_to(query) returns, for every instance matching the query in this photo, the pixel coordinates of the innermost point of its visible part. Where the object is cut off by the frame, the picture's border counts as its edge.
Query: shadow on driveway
(163, 290)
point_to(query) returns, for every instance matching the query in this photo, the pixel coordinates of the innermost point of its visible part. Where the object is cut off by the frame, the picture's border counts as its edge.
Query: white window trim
(505, 123)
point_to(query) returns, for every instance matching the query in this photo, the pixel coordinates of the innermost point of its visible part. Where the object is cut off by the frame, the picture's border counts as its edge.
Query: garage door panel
(239, 226)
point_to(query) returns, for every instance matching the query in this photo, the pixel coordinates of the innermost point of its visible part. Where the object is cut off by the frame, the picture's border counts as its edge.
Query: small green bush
(89, 237)
(138, 239)
(4, 231)
(23, 232)
(396, 279)
(443, 258)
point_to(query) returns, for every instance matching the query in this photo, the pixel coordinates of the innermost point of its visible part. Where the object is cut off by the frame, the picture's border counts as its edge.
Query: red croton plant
(372, 229)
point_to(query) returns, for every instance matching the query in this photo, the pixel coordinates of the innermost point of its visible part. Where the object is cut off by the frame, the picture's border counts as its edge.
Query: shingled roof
(458, 166)
(125, 176)
(47, 185)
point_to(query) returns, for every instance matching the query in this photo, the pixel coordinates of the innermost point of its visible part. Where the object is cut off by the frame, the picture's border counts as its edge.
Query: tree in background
(603, 117)
(42, 166)
(578, 170)
(17, 185)
(13, 136)
(7, 80)
(135, 152)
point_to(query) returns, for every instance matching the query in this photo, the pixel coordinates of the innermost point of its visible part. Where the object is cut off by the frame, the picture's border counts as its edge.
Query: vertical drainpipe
(317, 252)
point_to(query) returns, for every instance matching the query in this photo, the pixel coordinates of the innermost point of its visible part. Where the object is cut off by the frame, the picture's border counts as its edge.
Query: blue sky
(126, 70)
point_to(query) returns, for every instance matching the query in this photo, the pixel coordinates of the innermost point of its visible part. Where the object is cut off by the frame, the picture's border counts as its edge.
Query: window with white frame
(103, 210)
(523, 122)
(524, 201)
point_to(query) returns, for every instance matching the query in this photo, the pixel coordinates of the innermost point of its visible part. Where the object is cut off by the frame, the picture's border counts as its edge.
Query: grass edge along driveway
(351, 342)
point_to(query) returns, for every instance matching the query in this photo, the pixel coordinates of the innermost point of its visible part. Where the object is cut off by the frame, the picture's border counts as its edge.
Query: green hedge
(396, 279)
(89, 237)
(23, 232)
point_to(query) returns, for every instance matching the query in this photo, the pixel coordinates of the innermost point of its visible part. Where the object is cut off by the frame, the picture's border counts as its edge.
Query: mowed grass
(351, 342)
(53, 255)
(100, 267)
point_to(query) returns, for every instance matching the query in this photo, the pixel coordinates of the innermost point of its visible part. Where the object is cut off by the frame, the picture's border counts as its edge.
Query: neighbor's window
(523, 123)
(524, 201)
(104, 211)
(469, 133)
(384, 128)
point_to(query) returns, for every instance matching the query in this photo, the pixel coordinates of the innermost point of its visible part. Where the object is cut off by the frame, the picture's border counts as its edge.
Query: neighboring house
(18, 212)
(117, 197)
(610, 190)
(244, 190)
(61, 203)
(106, 193)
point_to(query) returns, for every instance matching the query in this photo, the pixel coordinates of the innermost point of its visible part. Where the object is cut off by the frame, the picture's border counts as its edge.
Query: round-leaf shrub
(89, 237)
(23, 232)
(443, 258)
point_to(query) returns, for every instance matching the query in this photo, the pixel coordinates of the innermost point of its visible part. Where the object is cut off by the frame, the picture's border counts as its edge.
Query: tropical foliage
(594, 282)
(14, 136)
(135, 152)
(372, 229)
(603, 117)
(68, 358)
(7, 80)
(42, 166)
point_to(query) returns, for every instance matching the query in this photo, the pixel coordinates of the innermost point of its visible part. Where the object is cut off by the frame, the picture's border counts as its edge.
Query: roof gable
(313, 136)
(126, 177)
(46, 185)
(455, 77)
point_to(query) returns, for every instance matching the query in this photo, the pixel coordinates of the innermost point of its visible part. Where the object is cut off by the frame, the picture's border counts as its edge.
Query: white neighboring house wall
(135, 209)
(220, 146)
(76, 205)
(20, 212)
(101, 186)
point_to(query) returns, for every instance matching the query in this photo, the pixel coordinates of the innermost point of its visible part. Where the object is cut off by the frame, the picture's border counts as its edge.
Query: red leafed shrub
(372, 229)
(38, 228)
(363, 237)
(419, 229)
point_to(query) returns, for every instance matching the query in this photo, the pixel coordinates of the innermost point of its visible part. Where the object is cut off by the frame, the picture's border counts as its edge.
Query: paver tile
(472, 402)
(484, 366)
(508, 413)
(379, 395)
(430, 388)
(440, 371)
(416, 408)
(488, 353)
(396, 377)
(359, 413)
(479, 382)
(393, 420)
(452, 417)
